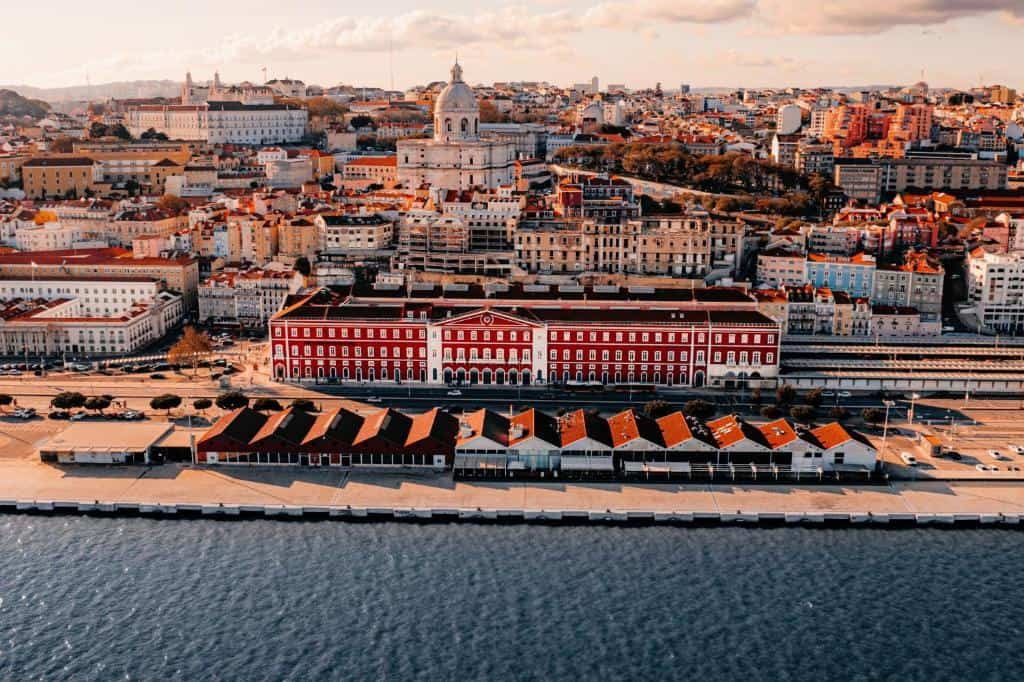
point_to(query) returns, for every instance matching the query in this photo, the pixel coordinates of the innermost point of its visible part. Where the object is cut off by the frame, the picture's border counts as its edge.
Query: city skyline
(716, 43)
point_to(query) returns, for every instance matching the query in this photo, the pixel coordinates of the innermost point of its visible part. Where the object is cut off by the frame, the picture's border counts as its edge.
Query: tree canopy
(190, 348)
(97, 403)
(700, 409)
(266, 405)
(68, 400)
(232, 400)
(167, 401)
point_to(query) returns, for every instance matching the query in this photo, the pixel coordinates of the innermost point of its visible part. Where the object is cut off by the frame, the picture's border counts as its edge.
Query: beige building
(46, 177)
(148, 164)
(297, 237)
(10, 166)
(248, 298)
(677, 247)
(344, 233)
(363, 171)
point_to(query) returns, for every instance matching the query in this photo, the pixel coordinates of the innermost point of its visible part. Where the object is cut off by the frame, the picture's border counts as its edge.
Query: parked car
(845, 394)
(373, 399)
(985, 467)
(133, 415)
(953, 454)
(25, 412)
(157, 375)
(1016, 448)
(995, 454)
(79, 416)
(80, 367)
(908, 459)
(59, 414)
(454, 392)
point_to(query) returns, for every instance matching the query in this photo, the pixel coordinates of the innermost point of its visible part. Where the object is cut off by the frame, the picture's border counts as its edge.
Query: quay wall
(514, 516)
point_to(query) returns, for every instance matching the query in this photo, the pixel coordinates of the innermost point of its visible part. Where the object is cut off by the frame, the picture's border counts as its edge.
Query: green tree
(303, 405)
(770, 412)
(266, 405)
(815, 396)
(701, 409)
(167, 402)
(839, 413)
(302, 266)
(785, 394)
(231, 400)
(6, 399)
(202, 404)
(97, 403)
(755, 396)
(152, 134)
(61, 145)
(119, 131)
(361, 121)
(802, 413)
(173, 203)
(657, 408)
(872, 415)
(68, 400)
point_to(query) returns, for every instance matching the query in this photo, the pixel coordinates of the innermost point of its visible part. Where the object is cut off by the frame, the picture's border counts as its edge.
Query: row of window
(332, 351)
(357, 333)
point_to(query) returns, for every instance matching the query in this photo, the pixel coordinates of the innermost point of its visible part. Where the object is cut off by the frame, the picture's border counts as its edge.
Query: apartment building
(346, 233)
(917, 283)
(248, 298)
(56, 177)
(996, 288)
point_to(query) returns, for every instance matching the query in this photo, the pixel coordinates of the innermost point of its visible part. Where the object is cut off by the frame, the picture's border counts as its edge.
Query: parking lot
(984, 450)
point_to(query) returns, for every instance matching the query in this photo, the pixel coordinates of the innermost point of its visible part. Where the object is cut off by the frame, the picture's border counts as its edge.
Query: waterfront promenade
(172, 489)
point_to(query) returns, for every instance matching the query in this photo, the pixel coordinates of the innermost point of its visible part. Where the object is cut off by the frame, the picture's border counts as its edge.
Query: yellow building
(46, 177)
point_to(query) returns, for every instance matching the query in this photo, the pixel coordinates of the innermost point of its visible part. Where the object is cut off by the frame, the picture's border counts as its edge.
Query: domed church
(456, 157)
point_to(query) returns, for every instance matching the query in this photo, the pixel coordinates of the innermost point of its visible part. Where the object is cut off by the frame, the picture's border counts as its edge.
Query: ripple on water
(88, 598)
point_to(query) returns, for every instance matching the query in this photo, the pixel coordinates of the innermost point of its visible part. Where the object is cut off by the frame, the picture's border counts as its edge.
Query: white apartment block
(996, 288)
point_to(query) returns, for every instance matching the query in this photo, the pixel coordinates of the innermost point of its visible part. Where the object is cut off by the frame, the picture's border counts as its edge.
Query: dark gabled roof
(240, 425)
(290, 425)
(341, 425)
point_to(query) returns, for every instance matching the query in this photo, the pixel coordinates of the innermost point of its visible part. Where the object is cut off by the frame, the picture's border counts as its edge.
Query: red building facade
(329, 336)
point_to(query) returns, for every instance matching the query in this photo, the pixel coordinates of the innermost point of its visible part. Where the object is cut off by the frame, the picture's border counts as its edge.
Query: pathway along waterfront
(173, 491)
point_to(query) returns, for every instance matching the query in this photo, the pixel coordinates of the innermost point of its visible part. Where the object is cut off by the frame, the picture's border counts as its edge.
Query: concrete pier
(174, 491)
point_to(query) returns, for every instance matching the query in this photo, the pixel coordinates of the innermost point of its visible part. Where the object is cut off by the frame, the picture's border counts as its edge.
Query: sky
(400, 43)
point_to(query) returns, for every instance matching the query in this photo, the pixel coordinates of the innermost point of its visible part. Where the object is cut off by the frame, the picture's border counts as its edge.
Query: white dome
(456, 96)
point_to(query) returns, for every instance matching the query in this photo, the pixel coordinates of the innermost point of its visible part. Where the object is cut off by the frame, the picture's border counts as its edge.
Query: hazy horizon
(705, 43)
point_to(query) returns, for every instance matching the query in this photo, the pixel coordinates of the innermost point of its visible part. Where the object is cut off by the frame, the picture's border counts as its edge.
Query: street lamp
(885, 427)
(910, 414)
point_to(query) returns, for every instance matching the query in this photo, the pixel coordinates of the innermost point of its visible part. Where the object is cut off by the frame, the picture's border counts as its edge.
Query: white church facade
(456, 157)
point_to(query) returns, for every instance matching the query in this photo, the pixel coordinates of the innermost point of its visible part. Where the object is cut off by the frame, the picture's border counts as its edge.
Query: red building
(517, 336)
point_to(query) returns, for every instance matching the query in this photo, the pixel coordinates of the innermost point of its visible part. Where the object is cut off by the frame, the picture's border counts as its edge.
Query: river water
(136, 599)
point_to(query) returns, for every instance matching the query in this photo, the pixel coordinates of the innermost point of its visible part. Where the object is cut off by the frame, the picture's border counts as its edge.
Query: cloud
(616, 14)
(547, 29)
(875, 16)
